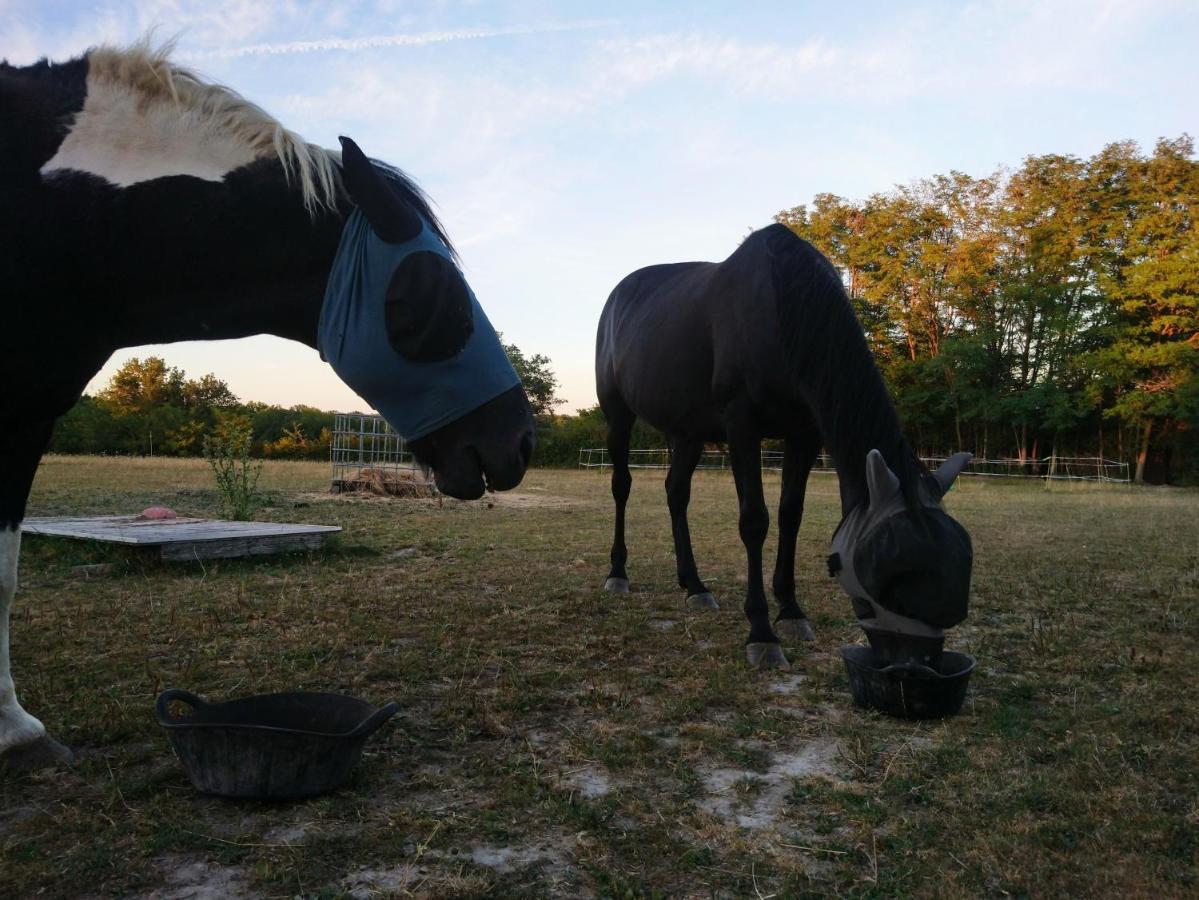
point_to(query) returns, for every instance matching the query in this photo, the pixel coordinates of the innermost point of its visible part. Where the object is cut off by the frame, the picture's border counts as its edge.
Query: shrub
(227, 450)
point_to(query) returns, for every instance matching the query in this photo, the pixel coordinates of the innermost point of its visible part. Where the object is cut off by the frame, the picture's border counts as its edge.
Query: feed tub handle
(911, 667)
(377, 718)
(160, 706)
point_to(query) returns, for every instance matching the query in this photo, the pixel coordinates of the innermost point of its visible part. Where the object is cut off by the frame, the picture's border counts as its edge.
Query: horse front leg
(684, 457)
(24, 745)
(762, 647)
(620, 429)
(798, 456)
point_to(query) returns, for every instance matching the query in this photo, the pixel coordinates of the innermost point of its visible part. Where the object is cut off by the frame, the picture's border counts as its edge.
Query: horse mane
(149, 71)
(826, 350)
(412, 194)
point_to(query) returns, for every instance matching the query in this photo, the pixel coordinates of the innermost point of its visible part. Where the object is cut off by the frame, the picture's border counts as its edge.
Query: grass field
(558, 741)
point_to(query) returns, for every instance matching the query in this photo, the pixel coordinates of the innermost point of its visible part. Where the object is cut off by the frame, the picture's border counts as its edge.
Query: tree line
(1050, 310)
(150, 408)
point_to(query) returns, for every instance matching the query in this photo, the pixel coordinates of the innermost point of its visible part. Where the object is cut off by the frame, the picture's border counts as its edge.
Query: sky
(566, 144)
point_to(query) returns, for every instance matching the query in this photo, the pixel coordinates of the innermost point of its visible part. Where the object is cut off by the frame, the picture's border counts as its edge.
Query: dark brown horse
(766, 345)
(139, 204)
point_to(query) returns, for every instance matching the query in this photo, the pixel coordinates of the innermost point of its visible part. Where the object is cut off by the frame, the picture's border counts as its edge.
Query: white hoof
(702, 601)
(617, 585)
(766, 656)
(40, 753)
(795, 629)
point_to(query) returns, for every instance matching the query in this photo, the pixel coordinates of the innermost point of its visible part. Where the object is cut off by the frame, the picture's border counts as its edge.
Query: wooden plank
(242, 546)
(186, 538)
(81, 528)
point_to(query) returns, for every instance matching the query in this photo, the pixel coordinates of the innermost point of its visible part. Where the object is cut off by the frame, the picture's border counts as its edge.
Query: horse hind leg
(685, 454)
(24, 745)
(620, 429)
(798, 456)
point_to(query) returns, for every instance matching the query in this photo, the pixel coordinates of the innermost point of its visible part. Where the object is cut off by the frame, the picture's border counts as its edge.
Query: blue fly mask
(399, 323)
(418, 381)
(909, 571)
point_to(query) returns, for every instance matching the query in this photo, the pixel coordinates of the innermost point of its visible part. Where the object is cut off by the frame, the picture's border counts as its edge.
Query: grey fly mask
(908, 570)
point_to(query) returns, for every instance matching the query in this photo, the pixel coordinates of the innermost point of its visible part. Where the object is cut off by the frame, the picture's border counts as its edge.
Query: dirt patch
(786, 684)
(199, 881)
(288, 835)
(504, 500)
(824, 712)
(522, 500)
(427, 875)
(541, 738)
(506, 859)
(387, 882)
(589, 782)
(754, 800)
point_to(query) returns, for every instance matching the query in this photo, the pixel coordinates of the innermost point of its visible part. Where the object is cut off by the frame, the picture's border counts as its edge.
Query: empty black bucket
(271, 746)
(908, 690)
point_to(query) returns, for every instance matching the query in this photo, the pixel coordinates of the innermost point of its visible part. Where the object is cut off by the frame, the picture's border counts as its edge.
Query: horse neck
(855, 415)
(839, 380)
(197, 260)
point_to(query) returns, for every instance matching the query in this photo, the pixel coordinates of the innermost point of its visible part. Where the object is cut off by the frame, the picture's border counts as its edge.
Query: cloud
(982, 50)
(32, 30)
(740, 65)
(417, 39)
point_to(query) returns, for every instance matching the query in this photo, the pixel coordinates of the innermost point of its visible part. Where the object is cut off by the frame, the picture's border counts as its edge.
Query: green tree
(155, 408)
(206, 393)
(140, 386)
(538, 379)
(1153, 361)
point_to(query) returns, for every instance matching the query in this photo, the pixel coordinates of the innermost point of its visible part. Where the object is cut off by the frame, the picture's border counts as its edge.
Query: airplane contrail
(417, 39)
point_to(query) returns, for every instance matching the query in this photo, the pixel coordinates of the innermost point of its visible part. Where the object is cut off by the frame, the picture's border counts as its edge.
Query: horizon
(564, 151)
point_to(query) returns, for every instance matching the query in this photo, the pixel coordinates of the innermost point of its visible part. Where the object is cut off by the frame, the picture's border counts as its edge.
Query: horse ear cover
(950, 469)
(881, 482)
(392, 219)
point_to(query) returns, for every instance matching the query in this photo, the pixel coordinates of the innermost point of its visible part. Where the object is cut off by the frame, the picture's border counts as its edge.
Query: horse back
(679, 343)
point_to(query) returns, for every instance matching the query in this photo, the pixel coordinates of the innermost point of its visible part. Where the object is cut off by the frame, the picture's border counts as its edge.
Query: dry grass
(388, 483)
(557, 741)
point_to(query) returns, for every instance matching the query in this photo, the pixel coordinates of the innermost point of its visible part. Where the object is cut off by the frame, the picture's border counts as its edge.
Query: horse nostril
(526, 448)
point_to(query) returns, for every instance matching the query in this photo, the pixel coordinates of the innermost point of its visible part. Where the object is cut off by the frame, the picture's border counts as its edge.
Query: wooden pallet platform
(184, 539)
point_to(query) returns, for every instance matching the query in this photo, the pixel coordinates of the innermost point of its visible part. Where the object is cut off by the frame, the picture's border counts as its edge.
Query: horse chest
(757, 383)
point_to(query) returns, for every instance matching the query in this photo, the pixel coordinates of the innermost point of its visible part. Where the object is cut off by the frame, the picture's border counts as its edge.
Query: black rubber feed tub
(271, 746)
(908, 690)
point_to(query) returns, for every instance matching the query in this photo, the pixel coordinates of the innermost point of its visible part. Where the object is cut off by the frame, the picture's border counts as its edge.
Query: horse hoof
(617, 585)
(766, 656)
(702, 601)
(42, 753)
(795, 629)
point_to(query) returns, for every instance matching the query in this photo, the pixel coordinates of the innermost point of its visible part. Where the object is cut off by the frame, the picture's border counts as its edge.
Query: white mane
(145, 117)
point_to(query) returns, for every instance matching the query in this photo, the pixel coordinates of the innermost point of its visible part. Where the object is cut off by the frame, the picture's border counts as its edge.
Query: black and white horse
(140, 204)
(766, 345)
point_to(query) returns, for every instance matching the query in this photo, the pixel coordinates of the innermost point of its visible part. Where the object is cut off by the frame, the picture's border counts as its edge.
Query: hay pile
(389, 483)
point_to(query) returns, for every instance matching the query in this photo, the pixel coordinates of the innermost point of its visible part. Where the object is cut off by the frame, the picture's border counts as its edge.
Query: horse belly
(672, 394)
